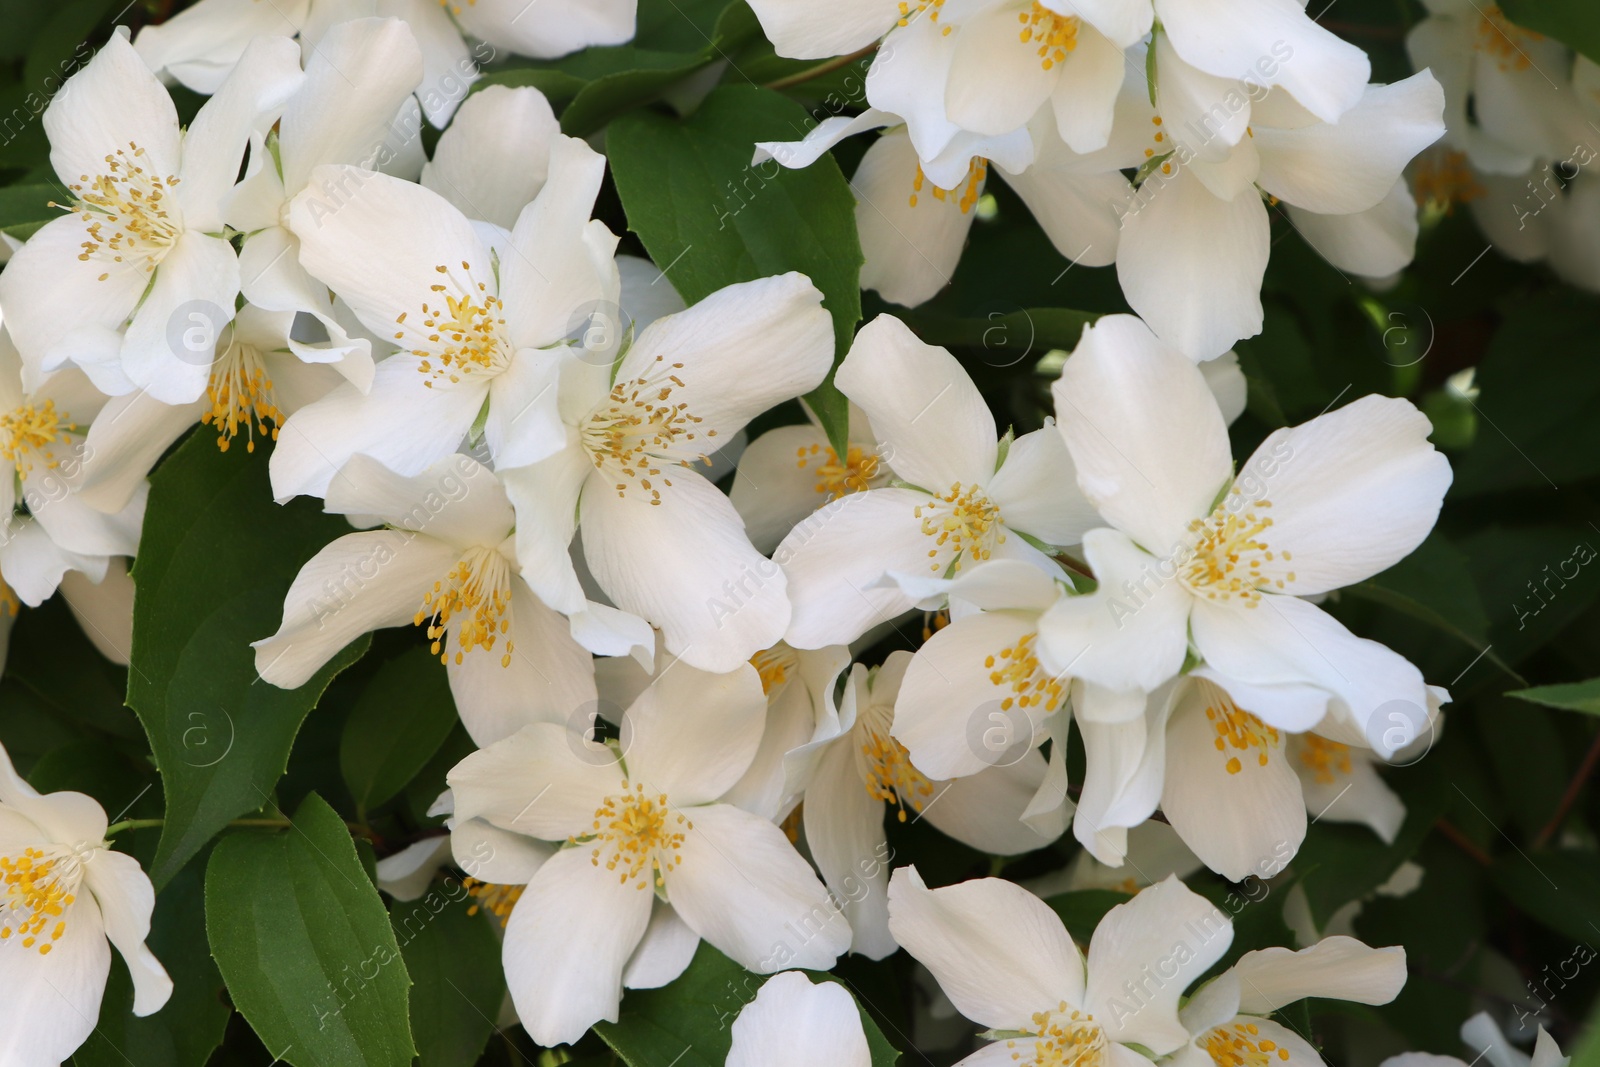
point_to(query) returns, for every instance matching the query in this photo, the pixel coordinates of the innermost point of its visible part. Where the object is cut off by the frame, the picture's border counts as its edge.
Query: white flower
(1551, 215)
(64, 894)
(1228, 1015)
(199, 45)
(445, 559)
(1193, 549)
(480, 324)
(852, 772)
(792, 1023)
(495, 156)
(1195, 237)
(361, 72)
(647, 818)
(114, 285)
(661, 540)
(1509, 98)
(965, 498)
(46, 527)
(791, 471)
(1488, 1043)
(1154, 851)
(1005, 960)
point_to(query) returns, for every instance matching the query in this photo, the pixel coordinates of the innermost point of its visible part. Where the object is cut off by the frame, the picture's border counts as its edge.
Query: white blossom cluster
(526, 432)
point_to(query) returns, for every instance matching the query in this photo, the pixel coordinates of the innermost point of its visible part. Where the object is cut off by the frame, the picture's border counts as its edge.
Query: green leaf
(304, 943)
(687, 1021)
(1433, 584)
(398, 723)
(1572, 696)
(25, 208)
(1082, 909)
(454, 961)
(1006, 338)
(51, 656)
(1560, 889)
(216, 558)
(1575, 23)
(188, 1029)
(709, 218)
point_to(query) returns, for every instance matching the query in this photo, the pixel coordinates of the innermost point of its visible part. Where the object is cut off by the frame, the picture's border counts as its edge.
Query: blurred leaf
(709, 218)
(1573, 696)
(454, 962)
(1006, 338)
(294, 925)
(1575, 23)
(1534, 581)
(1081, 910)
(687, 1021)
(1560, 889)
(216, 558)
(51, 656)
(398, 723)
(25, 208)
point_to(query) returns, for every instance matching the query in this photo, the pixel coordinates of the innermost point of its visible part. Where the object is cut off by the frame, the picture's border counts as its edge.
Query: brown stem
(1574, 787)
(1463, 842)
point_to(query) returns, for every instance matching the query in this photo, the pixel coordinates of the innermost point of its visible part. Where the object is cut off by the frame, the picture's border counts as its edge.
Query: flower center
(1504, 40)
(1159, 138)
(889, 775)
(637, 427)
(28, 432)
(1067, 1038)
(964, 519)
(637, 835)
(9, 604)
(1240, 731)
(478, 590)
(126, 211)
(775, 665)
(835, 479)
(465, 336)
(1325, 759)
(498, 899)
(1241, 1045)
(241, 397)
(1445, 179)
(977, 171)
(39, 889)
(1057, 34)
(1229, 551)
(910, 9)
(1017, 668)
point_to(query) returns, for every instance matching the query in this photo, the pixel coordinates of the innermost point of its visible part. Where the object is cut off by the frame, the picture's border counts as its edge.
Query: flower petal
(665, 951)
(542, 781)
(1037, 489)
(456, 500)
(984, 810)
(846, 839)
(826, 29)
(493, 158)
(53, 1002)
(912, 232)
(792, 1023)
(126, 899)
(1335, 968)
(692, 735)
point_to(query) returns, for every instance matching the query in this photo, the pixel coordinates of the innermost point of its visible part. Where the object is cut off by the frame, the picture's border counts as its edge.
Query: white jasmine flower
(1488, 1043)
(495, 156)
(793, 1023)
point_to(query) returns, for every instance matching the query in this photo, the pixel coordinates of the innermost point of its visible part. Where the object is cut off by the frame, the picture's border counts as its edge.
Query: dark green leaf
(1574, 696)
(305, 945)
(1006, 338)
(709, 218)
(1560, 889)
(454, 960)
(25, 208)
(397, 725)
(1082, 909)
(216, 558)
(1575, 23)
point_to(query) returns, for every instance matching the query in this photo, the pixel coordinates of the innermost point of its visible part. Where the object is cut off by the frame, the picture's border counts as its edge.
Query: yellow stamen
(242, 396)
(478, 589)
(38, 890)
(1325, 759)
(1057, 34)
(963, 519)
(638, 430)
(835, 479)
(499, 899)
(127, 211)
(1230, 550)
(1017, 668)
(638, 835)
(30, 432)
(1241, 1045)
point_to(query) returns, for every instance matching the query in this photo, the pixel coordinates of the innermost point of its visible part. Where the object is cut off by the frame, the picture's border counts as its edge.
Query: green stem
(820, 69)
(148, 824)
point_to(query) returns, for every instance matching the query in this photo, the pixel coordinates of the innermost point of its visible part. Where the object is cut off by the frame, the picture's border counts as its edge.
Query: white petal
(996, 80)
(1191, 265)
(933, 424)
(1227, 382)
(1168, 930)
(1144, 431)
(984, 810)
(456, 500)
(1206, 114)
(823, 136)
(358, 583)
(562, 26)
(199, 45)
(998, 952)
(545, 496)
(1086, 90)
(126, 900)
(912, 233)
(114, 99)
(490, 854)
(1130, 633)
(777, 485)
(664, 953)
(1080, 212)
(1269, 42)
(124, 442)
(493, 158)
(1037, 489)
(792, 1023)
(103, 609)
(566, 944)
(64, 818)
(53, 1002)
(1243, 823)
(741, 886)
(524, 422)
(1335, 794)
(542, 781)
(845, 835)
(1353, 492)
(169, 345)
(688, 568)
(448, 72)
(1336, 968)
(1350, 165)
(922, 52)
(822, 30)
(692, 734)
(1123, 21)
(406, 874)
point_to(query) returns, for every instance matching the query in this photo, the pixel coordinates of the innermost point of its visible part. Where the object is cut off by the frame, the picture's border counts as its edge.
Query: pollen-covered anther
(971, 187)
(835, 479)
(1016, 668)
(633, 436)
(466, 336)
(775, 667)
(890, 777)
(1503, 40)
(965, 522)
(1241, 1045)
(28, 435)
(910, 9)
(1067, 1037)
(478, 592)
(1240, 731)
(127, 210)
(1230, 552)
(1326, 760)
(242, 397)
(36, 890)
(497, 899)
(638, 836)
(1056, 34)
